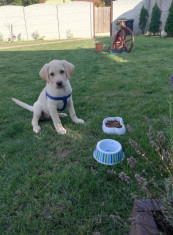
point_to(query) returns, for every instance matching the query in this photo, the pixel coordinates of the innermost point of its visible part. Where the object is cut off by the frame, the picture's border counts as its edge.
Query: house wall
(49, 21)
(131, 10)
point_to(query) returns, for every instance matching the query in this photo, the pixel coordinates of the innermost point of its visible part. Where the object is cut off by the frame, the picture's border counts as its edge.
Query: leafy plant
(107, 2)
(36, 36)
(19, 37)
(167, 200)
(69, 34)
(148, 182)
(155, 20)
(143, 19)
(169, 21)
(12, 36)
(1, 37)
(19, 2)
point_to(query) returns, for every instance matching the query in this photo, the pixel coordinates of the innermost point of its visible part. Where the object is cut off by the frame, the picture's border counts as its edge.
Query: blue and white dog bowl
(108, 152)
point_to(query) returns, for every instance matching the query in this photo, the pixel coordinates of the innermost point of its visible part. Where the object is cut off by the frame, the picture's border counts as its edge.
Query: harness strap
(64, 99)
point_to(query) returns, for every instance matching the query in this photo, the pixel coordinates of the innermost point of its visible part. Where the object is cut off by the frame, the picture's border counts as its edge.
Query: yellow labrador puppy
(54, 98)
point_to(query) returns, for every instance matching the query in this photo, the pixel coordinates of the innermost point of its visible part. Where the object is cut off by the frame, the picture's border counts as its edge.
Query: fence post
(91, 21)
(111, 33)
(25, 23)
(58, 20)
(94, 20)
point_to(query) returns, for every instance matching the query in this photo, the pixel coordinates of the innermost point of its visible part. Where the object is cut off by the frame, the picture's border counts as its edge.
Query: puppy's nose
(59, 84)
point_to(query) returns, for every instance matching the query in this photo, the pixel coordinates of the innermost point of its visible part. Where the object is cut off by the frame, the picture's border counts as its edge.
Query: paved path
(44, 43)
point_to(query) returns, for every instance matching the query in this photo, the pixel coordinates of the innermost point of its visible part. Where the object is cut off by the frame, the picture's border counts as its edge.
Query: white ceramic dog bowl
(108, 152)
(114, 130)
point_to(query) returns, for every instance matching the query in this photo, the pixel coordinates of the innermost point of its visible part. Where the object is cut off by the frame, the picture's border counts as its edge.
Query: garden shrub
(169, 21)
(143, 19)
(155, 20)
(1, 37)
(158, 163)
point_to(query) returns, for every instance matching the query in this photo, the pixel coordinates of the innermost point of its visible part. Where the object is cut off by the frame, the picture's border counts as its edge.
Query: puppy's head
(57, 72)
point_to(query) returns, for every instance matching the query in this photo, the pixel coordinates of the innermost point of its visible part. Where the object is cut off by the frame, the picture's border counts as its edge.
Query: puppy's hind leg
(36, 116)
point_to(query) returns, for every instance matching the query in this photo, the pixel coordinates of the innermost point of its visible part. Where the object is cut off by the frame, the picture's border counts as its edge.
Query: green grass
(46, 180)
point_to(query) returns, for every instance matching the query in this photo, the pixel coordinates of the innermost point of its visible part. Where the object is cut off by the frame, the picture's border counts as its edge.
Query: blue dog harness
(64, 99)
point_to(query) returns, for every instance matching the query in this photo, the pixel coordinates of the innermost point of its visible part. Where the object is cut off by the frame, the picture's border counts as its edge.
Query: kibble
(113, 123)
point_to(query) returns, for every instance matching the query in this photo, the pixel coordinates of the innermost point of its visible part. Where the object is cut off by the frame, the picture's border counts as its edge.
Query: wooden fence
(102, 20)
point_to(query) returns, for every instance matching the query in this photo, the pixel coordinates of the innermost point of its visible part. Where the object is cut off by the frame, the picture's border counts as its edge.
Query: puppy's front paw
(78, 121)
(36, 129)
(60, 129)
(63, 115)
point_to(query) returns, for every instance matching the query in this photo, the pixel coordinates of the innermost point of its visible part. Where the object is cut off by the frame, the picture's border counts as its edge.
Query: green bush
(143, 18)
(19, 2)
(169, 21)
(155, 19)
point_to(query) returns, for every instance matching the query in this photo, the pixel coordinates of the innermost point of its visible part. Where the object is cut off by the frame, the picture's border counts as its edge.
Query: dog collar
(64, 99)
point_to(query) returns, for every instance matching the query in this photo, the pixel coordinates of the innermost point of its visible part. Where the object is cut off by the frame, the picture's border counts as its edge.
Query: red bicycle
(123, 39)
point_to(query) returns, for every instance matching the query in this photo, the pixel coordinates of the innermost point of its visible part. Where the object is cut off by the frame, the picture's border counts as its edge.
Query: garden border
(44, 43)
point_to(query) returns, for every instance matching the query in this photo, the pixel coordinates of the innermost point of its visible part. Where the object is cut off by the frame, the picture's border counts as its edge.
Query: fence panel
(73, 19)
(102, 20)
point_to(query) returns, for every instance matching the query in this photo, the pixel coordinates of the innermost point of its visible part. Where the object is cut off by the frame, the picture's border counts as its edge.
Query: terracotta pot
(99, 46)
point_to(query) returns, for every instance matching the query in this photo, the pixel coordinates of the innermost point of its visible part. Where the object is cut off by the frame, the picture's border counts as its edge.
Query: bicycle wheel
(124, 40)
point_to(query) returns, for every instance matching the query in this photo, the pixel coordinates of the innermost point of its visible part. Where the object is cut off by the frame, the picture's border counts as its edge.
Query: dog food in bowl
(113, 125)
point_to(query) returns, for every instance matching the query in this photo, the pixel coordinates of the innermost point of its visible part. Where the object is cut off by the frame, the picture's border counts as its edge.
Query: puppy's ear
(69, 68)
(44, 73)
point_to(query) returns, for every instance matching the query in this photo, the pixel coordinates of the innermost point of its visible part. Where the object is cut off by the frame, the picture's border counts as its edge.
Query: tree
(169, 21)
(19, 2)
(106, 2)
(5, 2)
(143, 18)
(30, 2)
(155, 19)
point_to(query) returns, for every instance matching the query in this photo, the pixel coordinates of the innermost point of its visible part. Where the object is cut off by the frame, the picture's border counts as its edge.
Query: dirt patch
(44, 43)
(63, 153)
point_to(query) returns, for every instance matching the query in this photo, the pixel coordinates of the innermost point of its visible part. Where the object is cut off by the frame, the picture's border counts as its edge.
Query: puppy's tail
(23, 105)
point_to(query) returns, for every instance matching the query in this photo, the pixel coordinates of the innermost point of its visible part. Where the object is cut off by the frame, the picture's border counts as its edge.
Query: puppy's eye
(51, 74)
(61, 71)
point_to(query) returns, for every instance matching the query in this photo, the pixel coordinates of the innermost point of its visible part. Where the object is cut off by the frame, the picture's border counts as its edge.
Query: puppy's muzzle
(59, 84)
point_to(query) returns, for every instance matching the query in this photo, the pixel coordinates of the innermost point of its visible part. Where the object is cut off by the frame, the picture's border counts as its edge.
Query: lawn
(50, 183)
